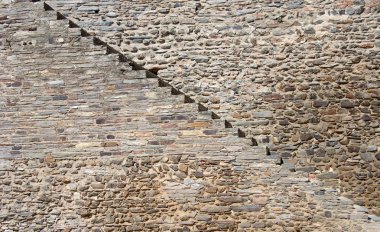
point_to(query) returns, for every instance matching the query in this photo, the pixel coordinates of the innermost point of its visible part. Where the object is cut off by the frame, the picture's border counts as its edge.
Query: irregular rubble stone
(90, 144)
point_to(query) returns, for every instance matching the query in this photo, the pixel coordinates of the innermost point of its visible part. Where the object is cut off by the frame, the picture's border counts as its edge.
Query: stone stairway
(89, 142)
(298, 76)
(93, 94)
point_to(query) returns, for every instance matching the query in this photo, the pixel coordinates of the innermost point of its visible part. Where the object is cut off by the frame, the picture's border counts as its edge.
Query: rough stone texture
(299, 76)
(148, 194)
(89, 144)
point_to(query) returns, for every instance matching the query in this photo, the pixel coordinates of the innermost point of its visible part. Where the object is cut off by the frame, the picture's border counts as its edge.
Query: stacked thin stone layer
(88, 144)
(299, 76)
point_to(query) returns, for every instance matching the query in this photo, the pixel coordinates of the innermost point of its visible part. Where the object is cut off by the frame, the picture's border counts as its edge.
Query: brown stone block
(330, 111)
(332, 118)
(73, 97)
(169, 125)
(49, 159)
(199, 124)
(143, 134)
(236, 115)
(87, 145)
(211, 190)
(374, 92)
(110, 144)
(111, 87)
(259, 200)
(366, 45)
(183, 168)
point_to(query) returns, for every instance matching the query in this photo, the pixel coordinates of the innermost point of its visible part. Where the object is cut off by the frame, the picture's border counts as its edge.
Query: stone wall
(301, 77)
(89, 143)
(172, 193)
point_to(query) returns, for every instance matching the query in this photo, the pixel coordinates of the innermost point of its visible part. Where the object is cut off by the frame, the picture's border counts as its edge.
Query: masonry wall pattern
(301, 77)
(90, 142)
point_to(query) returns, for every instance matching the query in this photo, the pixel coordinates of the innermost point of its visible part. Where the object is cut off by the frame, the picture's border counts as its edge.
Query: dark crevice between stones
(162, 83)
(254, 142)
(189, 99)
(47, 7)
(84, 33)
(202, 108)
(134, 66)
(267, 151)
(175, 91)
(98, 42)
(227, 124)
(214, 115)
(61, 17)
(73, 25)
(241, 133)
(150, 75)
(111, 50)
(279, 160)
(154, 70)
(198, 7)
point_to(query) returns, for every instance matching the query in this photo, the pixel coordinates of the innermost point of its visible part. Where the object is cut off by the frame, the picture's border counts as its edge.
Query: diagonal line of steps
(164, 106)
(123, 58)
(99, 144)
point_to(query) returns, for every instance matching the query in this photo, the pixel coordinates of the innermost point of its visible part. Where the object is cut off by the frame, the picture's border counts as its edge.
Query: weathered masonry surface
(301, 77)
(89, 143)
